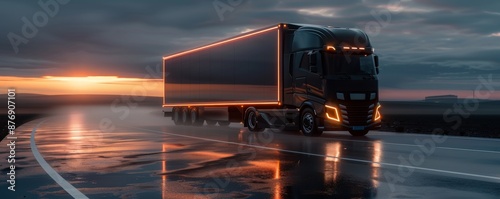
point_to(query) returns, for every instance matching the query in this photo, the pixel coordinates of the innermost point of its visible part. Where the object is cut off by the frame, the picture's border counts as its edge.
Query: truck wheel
(224, 123)
(176, 115)
(251, 120)
(185, 116)
(194, 116)
(308, 124)
(211, 123)
(358, 133)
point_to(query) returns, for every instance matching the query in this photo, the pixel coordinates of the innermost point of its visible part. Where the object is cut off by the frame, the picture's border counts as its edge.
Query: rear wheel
(308, 124)
(185, 116)
(194, 116)
(251, 120)
(176, 115)
(358, 133)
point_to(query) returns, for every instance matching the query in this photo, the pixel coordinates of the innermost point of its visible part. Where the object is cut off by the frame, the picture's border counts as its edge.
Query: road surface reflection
(214, 163)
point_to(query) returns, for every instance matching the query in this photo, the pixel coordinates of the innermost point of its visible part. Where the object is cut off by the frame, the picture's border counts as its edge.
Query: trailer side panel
(240, 70)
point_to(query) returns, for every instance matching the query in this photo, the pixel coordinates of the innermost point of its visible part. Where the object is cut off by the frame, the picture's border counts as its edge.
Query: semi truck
(308, 77)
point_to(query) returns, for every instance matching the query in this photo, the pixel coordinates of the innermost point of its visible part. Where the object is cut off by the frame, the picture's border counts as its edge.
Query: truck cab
(332, 78)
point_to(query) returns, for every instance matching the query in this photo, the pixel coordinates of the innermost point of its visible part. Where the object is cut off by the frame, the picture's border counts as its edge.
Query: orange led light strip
(377, 113)
(336, 118)
(218, 43)
(279, 64)
(223, 104)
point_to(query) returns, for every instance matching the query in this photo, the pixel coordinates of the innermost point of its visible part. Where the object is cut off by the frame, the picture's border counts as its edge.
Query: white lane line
(386, 133)
(50, 171)
(414, 145)
(321, 155)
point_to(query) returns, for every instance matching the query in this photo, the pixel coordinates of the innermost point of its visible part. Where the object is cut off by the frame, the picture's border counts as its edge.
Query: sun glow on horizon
(103, 85)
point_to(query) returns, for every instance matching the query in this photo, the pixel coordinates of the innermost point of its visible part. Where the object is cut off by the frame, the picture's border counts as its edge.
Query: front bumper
(352, 116)
(330, 125)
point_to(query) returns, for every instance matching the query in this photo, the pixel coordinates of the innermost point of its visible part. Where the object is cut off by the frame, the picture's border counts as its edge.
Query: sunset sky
(425, 47)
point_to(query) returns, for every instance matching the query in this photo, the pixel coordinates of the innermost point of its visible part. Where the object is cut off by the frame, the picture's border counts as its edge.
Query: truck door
(315, 76)
(300, 72)
(308, 78)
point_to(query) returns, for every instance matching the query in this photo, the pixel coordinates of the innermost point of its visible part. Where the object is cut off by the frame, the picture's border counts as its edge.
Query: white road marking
(385, 133)
(50, 171)
(414, 145)
(321, 155)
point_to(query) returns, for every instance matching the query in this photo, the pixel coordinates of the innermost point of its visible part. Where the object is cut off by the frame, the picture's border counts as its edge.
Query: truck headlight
(332, 113)
(378, 116)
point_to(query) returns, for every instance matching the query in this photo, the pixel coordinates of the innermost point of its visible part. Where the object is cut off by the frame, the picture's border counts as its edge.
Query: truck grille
(357, 114)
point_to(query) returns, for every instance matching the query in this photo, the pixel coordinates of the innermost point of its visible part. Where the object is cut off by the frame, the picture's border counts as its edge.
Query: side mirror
(375, 58)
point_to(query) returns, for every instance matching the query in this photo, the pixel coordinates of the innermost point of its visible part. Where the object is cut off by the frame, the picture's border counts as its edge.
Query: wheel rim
(308, 123)
(252, 120)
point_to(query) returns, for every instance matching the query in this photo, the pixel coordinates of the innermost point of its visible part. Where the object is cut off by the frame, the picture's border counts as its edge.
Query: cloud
(492, 13)
(497, 34)
(424, 44)
(322, 12)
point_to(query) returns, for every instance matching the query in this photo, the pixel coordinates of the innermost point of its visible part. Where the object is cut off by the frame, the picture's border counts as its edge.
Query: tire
(224, 123)
(194, 117)
(185, 116)
(308, 123)
(211, 123)
(251, 121)
(358, 133)
(176, 115)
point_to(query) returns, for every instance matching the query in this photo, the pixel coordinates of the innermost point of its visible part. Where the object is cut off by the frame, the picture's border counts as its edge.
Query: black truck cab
(333, 72)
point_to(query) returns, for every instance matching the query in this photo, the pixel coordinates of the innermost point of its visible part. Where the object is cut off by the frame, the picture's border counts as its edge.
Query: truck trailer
(308, 77)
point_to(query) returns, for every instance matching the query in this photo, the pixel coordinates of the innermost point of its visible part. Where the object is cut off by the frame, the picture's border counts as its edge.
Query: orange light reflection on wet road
(377, 157)
(333, 153)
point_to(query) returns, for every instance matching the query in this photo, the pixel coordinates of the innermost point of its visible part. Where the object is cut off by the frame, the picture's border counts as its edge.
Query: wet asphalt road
(106, 153)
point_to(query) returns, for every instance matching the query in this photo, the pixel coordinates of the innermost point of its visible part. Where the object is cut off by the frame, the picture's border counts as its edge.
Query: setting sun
(100, 85)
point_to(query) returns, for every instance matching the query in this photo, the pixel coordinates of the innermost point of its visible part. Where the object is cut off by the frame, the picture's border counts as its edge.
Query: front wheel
(358, 133)
(308, 123)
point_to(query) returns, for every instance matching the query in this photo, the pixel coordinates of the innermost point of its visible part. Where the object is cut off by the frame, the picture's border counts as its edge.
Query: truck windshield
(342, 64)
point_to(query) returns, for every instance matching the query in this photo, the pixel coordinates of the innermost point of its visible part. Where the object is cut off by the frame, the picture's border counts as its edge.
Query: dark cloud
(424, 44)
